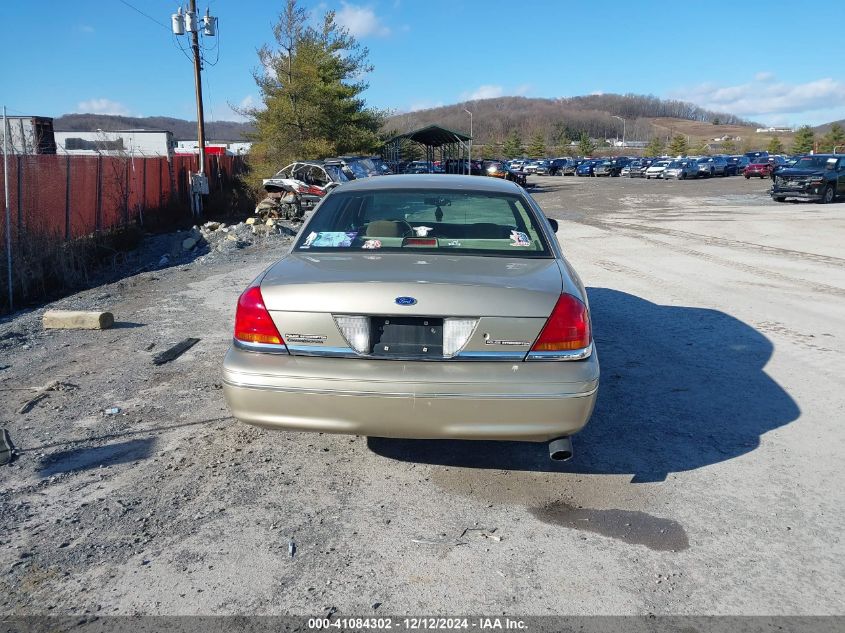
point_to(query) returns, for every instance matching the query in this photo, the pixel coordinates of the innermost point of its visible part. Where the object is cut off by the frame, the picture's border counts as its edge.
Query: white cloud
(85, 28)
(764, 76)
(422, 104)
(102, 106)
(487, 91)
(361, 21)
(767, 96)
(231, 111)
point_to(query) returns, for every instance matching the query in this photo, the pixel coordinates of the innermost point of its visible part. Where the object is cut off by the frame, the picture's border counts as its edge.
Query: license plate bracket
(409, 337)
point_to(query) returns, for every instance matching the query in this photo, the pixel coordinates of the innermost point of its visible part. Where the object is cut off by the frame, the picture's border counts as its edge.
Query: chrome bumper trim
(264, 348)
(576, 354)
(407, 394)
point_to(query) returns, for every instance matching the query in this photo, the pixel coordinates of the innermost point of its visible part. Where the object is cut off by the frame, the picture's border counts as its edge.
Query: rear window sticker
(371, 244)
(309, 240)
(332, 239)
(520, 239)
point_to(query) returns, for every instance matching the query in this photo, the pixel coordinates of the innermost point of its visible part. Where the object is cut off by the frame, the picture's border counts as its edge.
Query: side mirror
(553, 223)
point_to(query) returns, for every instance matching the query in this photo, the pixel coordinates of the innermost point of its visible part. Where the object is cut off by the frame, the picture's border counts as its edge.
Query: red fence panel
(44, 190)
(84, 193)
(74, 196)
(14, 208)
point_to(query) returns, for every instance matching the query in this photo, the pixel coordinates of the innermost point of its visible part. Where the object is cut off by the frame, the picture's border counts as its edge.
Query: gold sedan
(418, 306)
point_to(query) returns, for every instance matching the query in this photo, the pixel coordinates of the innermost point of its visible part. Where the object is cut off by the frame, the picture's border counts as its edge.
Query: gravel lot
(708, 482)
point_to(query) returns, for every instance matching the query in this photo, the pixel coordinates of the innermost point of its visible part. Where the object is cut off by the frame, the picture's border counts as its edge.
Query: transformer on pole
(188, 22)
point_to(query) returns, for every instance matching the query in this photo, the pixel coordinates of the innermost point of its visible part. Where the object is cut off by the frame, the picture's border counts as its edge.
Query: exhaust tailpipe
(560, 450)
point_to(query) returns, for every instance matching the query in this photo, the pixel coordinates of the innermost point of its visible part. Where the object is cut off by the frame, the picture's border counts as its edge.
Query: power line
(215, 48)
(149, 17)
(181, 48)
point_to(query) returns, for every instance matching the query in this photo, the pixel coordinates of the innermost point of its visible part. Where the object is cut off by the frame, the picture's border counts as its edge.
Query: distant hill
(182, 130)
(494, 119)
(825, 127)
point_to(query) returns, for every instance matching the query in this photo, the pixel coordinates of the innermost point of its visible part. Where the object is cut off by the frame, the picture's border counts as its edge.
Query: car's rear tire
(747, 177)
(683, 176)
(780, 199)
(828, 195)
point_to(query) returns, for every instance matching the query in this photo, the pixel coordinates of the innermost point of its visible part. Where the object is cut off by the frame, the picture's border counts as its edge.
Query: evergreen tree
(586, 147)
(701, 150)
(512, 147)
(411, 151)
(834, 139)
(654, 147)
(537, 148)
(729, 146)
(804, 140)
(562, 134)
(311, 85)
(489, 151)
(678, 145)
(775, 146)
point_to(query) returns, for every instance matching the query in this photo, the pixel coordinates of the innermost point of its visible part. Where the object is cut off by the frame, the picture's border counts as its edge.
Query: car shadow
(85, 458)
(681, 388)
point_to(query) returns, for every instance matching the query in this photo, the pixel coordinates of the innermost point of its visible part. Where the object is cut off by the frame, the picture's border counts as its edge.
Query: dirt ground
(710, 480)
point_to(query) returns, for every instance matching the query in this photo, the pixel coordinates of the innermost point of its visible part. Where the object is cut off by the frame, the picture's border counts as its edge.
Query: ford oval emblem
(406, 301)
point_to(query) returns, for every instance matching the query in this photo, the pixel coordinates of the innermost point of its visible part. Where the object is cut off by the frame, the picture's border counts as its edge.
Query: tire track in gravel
(634, 230)
(721, 241)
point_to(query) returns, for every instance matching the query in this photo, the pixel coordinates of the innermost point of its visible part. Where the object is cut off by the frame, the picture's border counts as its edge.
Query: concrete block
(77, 320)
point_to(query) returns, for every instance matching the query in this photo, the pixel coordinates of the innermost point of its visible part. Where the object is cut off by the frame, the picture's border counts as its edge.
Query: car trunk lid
(411, 305)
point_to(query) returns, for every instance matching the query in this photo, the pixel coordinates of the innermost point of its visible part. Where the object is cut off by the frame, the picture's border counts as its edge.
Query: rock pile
(218, 237)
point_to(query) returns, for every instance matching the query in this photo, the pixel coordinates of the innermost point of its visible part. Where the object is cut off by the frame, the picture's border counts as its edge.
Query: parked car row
(819, 177)
(751, 164)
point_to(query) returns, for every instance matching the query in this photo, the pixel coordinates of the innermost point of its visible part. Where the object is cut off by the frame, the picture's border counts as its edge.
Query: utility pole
(469, 148)
(189, 21)
(8, 212)
(623, 129)
(195, 46)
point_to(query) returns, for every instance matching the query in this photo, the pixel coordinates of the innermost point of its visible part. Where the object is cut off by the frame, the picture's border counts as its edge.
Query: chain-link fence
(61, 204)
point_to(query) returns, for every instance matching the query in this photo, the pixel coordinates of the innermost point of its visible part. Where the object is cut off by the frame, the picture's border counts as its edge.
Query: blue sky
(750, 59)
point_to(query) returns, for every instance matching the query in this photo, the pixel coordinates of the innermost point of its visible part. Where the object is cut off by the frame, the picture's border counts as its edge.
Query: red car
(763, 166)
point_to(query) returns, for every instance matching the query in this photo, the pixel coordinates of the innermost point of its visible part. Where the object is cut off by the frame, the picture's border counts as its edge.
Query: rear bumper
(528, 401)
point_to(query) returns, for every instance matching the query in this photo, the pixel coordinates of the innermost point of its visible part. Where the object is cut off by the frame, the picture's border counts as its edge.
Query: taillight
(253, 323)
(567, 329)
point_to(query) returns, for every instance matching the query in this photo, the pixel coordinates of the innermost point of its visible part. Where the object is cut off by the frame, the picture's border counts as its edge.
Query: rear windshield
(475, 223)
(815, 162)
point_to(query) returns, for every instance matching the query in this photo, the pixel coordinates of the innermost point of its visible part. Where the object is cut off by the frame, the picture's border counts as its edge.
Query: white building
(118, 143)
(29, 135)
(231, 148)
(780, 130)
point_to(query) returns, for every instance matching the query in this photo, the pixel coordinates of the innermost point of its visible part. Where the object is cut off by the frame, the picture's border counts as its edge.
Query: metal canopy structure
(451, 146)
